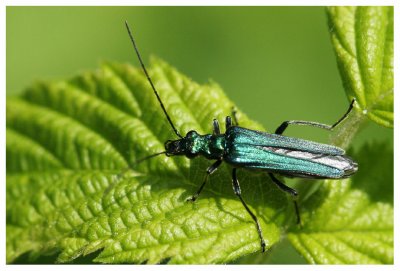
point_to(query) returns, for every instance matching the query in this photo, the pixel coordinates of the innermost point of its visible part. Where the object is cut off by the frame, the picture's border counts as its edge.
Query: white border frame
(195, 3)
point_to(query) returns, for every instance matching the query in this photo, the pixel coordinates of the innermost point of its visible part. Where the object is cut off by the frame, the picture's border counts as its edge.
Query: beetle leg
(228, 122)
(216, 130)
(210, 170)
(237, 190)
(290, 191)
(235, 116)
(285, 124)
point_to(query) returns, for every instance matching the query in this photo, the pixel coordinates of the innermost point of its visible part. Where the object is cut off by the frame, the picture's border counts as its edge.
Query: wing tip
(351, 168)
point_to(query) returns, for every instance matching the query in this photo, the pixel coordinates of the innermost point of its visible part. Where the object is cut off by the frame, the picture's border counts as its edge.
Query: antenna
(151, 82)
(148, 157)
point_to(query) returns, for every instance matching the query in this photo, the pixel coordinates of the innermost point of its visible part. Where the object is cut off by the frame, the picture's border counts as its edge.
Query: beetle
(255, 150)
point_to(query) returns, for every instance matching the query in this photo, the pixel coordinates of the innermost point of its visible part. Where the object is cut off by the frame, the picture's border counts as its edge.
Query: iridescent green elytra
(255, 150)
(288, 156)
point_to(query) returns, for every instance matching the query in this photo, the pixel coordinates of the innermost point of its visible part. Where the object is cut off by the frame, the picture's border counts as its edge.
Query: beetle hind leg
(291, 192)
(285, 124)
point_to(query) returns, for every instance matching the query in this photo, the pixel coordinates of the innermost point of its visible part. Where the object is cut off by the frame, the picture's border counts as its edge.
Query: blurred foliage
(276, 63)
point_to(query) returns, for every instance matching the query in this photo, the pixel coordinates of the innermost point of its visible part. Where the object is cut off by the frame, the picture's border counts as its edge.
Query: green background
(275, 63)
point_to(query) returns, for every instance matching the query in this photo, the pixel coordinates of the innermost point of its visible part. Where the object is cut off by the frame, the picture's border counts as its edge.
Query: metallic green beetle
(255, 150)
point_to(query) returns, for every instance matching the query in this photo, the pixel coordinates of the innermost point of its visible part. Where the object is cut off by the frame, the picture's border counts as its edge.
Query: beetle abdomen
(313, 160)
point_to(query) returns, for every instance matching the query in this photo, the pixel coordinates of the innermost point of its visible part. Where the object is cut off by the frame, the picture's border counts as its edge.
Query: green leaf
(351, 221)
(363, 41)
(68, 143)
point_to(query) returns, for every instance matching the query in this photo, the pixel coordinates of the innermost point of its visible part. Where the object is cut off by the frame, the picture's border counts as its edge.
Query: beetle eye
(191, 134)
(168, 146)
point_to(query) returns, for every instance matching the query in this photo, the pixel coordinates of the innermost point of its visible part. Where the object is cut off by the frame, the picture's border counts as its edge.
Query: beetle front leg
(285, 124)
(210, 170)
(228, 122)
(216, 130)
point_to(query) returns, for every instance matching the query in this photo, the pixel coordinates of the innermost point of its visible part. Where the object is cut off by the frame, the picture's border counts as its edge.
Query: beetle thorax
(193, 144)
(209, 146)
